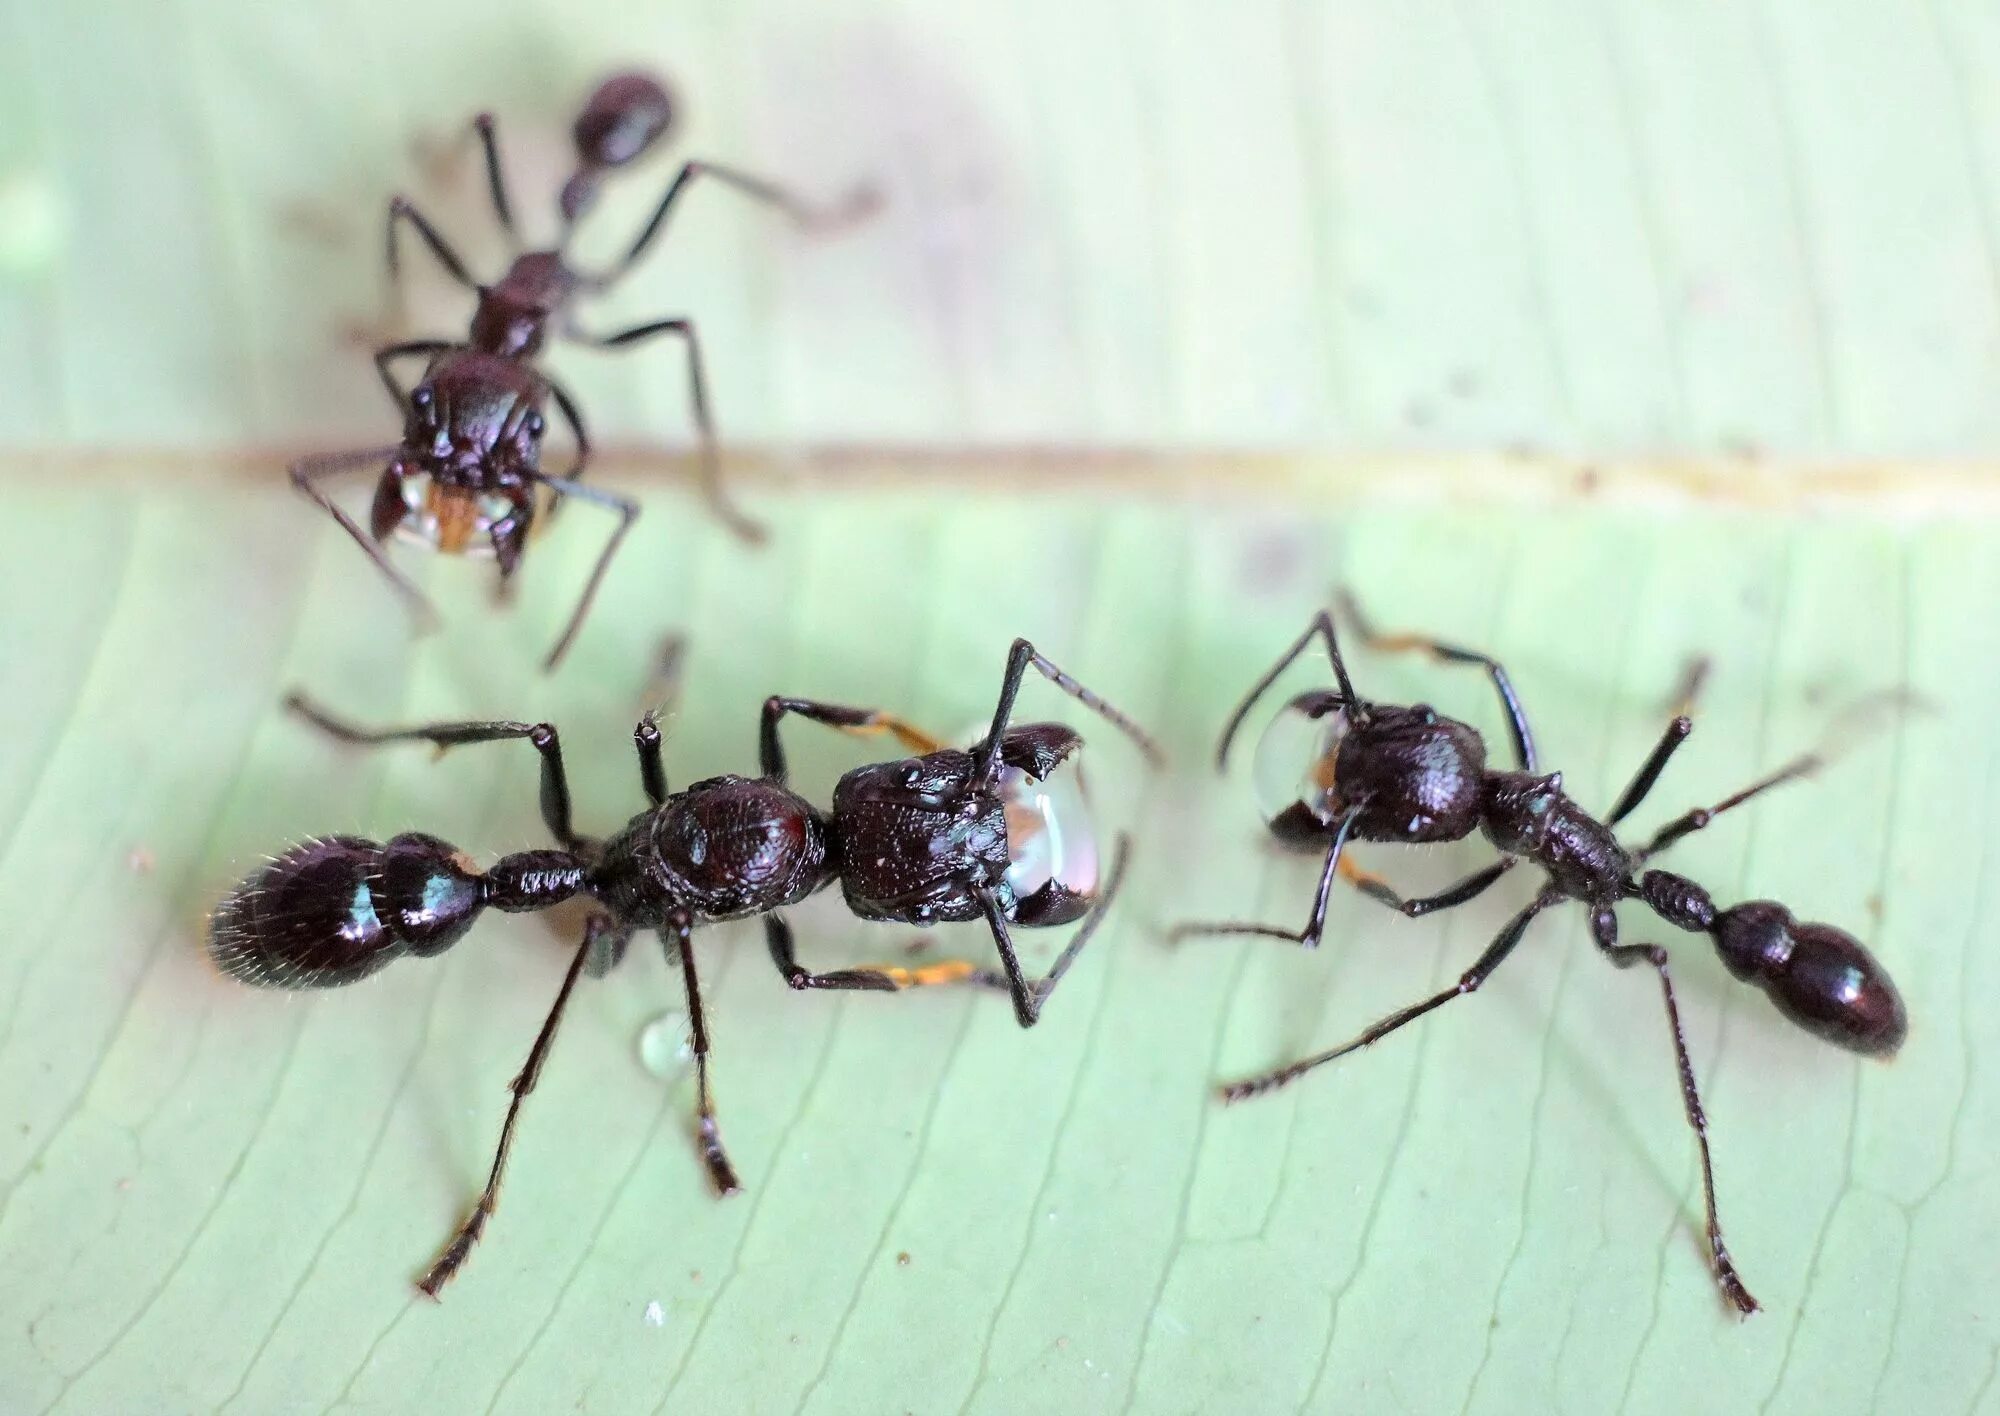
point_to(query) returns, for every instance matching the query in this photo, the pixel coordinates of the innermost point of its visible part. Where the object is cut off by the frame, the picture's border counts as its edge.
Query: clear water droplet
(663, 1044)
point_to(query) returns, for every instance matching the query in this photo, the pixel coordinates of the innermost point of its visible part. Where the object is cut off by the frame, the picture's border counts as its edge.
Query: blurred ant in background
(467, 474)
(1335, 767)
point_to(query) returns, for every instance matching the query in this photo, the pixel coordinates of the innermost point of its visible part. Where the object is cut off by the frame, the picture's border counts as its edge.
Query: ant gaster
(467, 475)
(1349, 769)
(999, 833)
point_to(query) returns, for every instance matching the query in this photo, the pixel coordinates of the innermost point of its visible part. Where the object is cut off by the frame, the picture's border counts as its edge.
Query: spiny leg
(1452, 896)
(756, 188)
(664, 688)
(308, 472)
(1687, 691)
(1674, 831)
(652, 766)
(860, 722)
(867, 978)
(1019, 659)
(455, 1252)
(496, 180)
(555, 798)
(1307, 938)
(1517, 717)
(1604, 930)
(720, 1172)
(1030, 997)
(1855, 719)
(1322, 625)
(1649, 771)
(627, 509)
(709, 457)
(401, 210)
(1468, 982)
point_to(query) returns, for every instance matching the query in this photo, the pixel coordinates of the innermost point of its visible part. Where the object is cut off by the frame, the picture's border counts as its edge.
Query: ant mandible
(1350, 769)
(990, 833)
(468, 469)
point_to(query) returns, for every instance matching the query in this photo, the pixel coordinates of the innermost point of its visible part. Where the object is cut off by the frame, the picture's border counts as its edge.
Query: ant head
(1293, 768)
(1416, 775)
(1822, 978)
(334, 910)
(1054, 867)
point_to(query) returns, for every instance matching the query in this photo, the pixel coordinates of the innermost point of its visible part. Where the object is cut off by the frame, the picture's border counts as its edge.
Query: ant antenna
(1322, 625)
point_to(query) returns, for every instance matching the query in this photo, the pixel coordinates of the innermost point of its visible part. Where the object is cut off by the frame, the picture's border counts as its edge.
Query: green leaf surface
(1394, 239)
(216, 1198)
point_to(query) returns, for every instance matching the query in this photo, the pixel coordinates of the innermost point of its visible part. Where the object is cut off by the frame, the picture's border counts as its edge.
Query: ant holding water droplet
(1335, 767)
(467, 475)
(999, 833)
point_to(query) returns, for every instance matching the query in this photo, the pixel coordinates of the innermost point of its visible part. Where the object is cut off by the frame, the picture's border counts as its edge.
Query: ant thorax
(1293, 769)
(454, 520)
(1051, 837)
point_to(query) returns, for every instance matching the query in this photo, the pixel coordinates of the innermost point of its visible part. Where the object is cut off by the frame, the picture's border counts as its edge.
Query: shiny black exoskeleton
(997, 833)
(467, 475)
(1337, 767)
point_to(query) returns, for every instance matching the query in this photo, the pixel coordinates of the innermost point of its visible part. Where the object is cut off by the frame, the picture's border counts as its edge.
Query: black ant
(988, 833)
(1347, 768)
(468, 468)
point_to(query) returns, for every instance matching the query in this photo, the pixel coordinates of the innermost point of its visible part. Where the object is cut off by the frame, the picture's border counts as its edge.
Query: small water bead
(1050, 834)
(663, 1044)
(1294, 760)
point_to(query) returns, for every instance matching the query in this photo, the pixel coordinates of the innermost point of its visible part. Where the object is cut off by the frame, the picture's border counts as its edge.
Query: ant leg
(496, 180)
(652, 769)
(389, 353)
(1604, 929)
(1693, 679)
(1307, 938)
(628, 512)
(573, 416)
(1019, 658)
(858, 722)
(745, 527)
(1322, 625)
(1649, 772)
(869, 978)
(1517, 717)
(1452, 896)
(307, 472)
(720, 1172)
(754, 187)
(400, 210)
(455, 1252)
(1029, 998)
(1674, 831)
(1857, 717)
(627, 509)
(445, 736)
(665, 687)
(1468, 982)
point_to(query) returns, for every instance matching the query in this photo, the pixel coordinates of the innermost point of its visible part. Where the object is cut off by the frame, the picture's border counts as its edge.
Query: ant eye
(1295, 759)
(1050, 835)
(536, 423)
(422, 397)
